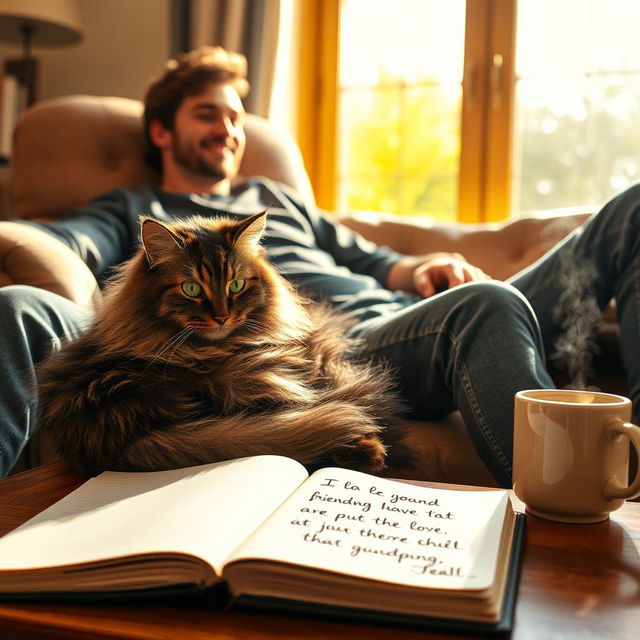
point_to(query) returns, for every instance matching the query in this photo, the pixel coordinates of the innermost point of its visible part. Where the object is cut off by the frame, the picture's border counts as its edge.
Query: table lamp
(36, 22)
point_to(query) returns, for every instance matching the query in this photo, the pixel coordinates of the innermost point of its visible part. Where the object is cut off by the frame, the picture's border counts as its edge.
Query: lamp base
(25, 69)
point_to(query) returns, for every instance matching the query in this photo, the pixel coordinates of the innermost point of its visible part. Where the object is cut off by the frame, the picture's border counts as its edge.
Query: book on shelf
(336, 542)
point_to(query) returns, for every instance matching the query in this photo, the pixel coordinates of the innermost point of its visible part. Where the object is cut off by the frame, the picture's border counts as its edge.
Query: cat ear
(250, 230)
(158, 241)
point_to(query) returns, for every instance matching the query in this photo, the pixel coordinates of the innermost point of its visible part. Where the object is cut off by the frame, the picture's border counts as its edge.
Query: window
(470, 110)
(577, 108)
(399, 106)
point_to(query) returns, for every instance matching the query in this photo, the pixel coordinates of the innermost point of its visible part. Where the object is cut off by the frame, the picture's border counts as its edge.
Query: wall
(126, 43)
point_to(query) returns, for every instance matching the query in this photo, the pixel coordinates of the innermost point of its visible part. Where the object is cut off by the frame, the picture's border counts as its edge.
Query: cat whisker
(177, 343)
(252, 325)
(174, 342)
(184, 334)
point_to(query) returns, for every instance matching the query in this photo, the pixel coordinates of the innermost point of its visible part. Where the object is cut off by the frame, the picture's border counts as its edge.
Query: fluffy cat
(202, 353)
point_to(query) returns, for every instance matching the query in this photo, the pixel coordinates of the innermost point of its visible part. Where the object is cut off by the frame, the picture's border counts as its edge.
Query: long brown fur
(158, 382)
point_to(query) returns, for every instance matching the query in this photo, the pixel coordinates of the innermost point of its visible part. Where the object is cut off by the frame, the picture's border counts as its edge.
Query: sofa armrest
(30, 256)
(500, 249)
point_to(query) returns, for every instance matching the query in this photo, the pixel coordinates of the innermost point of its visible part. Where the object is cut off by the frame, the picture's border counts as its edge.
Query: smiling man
(470, 347)
(205, 141)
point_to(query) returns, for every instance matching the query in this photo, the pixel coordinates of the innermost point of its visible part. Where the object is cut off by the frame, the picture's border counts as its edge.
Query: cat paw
(364, 454)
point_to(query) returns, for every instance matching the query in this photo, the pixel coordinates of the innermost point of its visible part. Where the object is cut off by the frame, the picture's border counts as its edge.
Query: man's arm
(425, 275)
(429, 274)
(350, 249)
(102, 234)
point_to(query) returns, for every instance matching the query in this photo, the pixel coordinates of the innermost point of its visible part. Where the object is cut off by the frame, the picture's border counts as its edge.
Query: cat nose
(220, 319)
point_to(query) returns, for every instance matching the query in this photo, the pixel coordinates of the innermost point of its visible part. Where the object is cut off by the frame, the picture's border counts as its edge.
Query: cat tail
(335, 431)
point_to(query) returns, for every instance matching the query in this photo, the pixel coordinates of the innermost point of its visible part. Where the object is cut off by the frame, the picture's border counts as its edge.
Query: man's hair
(187, 75)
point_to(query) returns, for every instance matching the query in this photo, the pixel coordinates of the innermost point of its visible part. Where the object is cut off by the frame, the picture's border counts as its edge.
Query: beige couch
(71, 149)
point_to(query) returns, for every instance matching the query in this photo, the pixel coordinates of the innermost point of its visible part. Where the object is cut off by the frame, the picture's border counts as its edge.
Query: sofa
(70, 149)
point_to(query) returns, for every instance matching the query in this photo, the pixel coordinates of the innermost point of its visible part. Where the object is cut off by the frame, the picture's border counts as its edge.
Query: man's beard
(198, 164)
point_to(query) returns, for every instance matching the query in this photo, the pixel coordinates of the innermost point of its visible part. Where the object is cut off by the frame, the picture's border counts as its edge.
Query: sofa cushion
(32, 257)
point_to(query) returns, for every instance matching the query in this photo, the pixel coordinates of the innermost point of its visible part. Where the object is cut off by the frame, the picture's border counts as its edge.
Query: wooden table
(578, 581)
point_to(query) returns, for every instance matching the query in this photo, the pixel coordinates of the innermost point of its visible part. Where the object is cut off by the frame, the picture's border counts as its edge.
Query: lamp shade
(53, 22)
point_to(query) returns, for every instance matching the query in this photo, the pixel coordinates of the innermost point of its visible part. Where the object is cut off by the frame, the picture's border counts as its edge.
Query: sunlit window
(577, 102)
(399, 105)
(552, 121)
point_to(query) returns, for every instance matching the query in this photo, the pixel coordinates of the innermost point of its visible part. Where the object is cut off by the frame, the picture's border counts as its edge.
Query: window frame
(486, 112)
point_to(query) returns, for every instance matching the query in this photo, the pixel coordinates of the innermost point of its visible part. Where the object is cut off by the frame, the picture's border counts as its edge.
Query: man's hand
(432, 273)
(442, 271)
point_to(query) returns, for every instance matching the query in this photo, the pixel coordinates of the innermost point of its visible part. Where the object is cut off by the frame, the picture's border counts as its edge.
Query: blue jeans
(470, 348)
(33, 322)
(474, 346)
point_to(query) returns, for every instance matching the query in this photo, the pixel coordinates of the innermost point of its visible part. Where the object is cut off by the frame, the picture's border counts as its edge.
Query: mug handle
(615, 428)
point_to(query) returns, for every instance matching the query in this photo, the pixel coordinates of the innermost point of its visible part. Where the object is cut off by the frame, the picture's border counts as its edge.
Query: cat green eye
(192, 289)
(236, 286)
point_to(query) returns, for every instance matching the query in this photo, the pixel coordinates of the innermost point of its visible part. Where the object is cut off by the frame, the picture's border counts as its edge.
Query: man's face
(208, 136)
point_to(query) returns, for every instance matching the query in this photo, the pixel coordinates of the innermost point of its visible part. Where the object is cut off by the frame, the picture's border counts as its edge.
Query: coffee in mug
(571, 453)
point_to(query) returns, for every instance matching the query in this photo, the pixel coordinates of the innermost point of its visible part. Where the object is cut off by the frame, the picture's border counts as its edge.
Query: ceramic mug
(571, 453)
